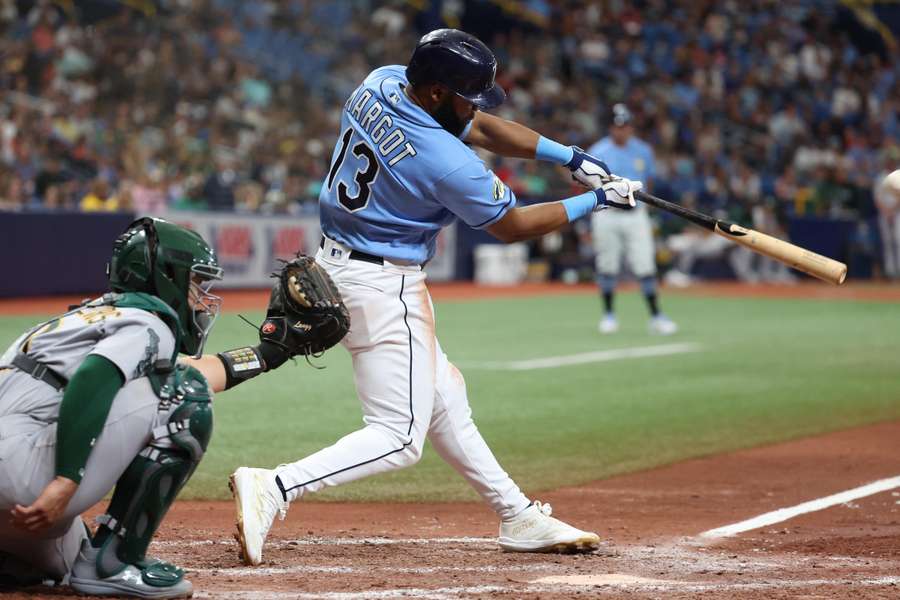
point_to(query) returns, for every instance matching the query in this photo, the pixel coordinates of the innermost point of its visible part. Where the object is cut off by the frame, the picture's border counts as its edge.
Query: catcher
(94, 398)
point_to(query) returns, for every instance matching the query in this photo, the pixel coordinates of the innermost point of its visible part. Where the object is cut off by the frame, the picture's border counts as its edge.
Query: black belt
(357, 255)
(39, 371)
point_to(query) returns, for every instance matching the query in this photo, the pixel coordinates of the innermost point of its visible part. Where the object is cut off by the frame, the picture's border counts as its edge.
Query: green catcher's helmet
(174, 264)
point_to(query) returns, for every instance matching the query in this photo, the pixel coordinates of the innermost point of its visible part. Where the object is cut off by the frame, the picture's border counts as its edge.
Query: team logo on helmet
(268, 327)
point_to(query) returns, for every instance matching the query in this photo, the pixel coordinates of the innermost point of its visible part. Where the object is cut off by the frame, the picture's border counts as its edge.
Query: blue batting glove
(587, 170)
(617, 193)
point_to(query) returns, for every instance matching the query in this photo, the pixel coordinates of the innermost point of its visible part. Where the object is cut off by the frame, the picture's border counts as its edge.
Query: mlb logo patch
(336, 252)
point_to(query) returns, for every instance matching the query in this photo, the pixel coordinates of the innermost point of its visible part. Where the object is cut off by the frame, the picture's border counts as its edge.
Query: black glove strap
(242, 364)
(272, 354)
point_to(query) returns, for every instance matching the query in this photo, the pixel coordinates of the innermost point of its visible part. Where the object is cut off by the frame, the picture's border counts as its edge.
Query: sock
(648, 286)
(652, 304)
(608, 302)
(607, 285)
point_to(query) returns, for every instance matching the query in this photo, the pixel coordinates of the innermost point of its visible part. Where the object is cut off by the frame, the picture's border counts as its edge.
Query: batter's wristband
(553, 151)
(579, 206)
(241, 364)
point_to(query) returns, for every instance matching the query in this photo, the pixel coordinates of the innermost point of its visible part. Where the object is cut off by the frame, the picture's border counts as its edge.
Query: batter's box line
(335, 541)
(637, 584)
(301, 569)
(783, 514)
(450, 593)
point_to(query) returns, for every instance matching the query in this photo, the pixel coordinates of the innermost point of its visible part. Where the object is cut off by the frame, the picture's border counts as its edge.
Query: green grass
(769, 370)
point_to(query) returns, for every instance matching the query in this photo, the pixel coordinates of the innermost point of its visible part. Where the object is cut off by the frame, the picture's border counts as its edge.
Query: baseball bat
(809, 262)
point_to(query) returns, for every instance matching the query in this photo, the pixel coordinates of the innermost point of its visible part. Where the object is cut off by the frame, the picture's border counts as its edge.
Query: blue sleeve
(475, 195)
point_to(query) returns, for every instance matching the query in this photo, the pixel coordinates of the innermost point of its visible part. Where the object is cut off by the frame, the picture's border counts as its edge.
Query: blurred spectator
(771, 95)
(99, 198)
(190, 196)
(50, 175)
(148, 195)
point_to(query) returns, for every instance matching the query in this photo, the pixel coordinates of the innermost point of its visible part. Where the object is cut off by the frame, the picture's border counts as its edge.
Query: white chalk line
(300, 569)
(783, 514)
(429, 594)
(335, 541)
(583, 358)
(450, 593)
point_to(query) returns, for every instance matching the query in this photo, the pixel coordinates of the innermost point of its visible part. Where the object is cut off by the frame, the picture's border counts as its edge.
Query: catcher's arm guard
(306, 316)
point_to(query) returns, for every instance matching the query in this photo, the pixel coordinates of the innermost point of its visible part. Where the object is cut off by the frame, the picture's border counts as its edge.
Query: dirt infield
(650, 521)
(238, 300)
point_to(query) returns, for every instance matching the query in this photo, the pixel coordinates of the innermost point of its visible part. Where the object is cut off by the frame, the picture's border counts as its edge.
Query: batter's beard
(447, 117)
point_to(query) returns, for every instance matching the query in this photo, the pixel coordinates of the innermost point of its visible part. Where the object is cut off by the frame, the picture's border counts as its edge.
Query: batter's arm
(503, 137)
(529, 222)
(508, 138)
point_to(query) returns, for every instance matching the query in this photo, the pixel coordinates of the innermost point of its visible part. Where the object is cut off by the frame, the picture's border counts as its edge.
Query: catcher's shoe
(157, 580)
(534, 530)
(257, 500)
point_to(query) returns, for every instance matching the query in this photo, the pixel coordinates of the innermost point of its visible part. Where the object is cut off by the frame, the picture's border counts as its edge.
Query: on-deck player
(617, 235)
(400, 172)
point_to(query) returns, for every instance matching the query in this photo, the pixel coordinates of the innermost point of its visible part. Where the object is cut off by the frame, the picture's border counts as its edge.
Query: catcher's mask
(176, 265)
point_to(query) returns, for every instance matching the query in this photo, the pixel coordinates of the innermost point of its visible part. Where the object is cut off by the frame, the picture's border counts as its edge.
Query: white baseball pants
(617, 233)
(889, 224)
(406, 385)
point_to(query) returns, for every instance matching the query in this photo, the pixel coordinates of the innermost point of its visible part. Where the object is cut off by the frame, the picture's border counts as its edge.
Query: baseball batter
(401, 170)
(619, 235)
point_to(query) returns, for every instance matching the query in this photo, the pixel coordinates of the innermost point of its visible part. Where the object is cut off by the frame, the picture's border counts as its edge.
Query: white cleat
(534, 530)
(662, 325)
(257, 500)
(608, 324)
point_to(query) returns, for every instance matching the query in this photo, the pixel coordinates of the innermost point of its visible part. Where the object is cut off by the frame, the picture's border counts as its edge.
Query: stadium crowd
(754, 106)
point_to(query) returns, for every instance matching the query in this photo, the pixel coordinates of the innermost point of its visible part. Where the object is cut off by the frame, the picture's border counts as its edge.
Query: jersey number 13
(363, 177)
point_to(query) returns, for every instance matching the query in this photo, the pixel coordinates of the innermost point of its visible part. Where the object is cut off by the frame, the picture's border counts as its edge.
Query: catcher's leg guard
(143, 495)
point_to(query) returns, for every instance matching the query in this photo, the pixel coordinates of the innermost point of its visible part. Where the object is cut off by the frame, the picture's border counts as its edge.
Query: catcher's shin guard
(149, 485)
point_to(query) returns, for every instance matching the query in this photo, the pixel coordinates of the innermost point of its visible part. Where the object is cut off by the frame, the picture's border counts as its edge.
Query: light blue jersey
(634, 160)
(397, 177)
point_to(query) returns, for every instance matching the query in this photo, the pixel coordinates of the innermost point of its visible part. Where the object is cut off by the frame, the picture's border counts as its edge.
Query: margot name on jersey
(382, 131)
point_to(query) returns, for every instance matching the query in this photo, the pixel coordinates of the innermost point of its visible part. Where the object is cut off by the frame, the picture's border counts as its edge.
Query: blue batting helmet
(459, 61)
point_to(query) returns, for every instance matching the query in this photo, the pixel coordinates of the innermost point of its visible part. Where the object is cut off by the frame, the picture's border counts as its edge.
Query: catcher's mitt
(306, 314)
